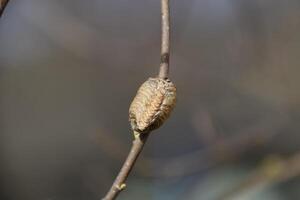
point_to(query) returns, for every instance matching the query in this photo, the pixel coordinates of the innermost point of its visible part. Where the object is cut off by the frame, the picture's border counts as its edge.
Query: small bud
(152, 105)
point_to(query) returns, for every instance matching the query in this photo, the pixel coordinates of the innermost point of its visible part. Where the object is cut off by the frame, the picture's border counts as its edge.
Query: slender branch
(119, 183)
(140, 139)
(3, 4)
(165, 40)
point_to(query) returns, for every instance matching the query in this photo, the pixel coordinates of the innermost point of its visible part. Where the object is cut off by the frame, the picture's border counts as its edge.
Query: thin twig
(3, 4)
(165, 39)
(119, 183)
(140, 140)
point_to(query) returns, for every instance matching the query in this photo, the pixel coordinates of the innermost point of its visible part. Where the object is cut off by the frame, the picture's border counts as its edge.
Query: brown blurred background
(68, 72)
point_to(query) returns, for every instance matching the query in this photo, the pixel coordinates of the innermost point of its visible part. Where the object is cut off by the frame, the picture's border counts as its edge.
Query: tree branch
(3, 4)
(165, 40)
(119, 183)
(140, 139)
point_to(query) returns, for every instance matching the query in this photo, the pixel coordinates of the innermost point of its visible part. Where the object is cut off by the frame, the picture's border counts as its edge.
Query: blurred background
(69, 70)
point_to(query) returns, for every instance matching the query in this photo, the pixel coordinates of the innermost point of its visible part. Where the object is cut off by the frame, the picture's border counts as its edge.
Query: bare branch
(119, 183)
(165, 40)
(140, 139)
(3, 4)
